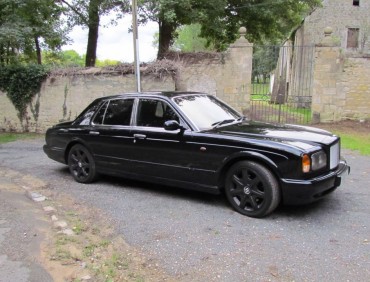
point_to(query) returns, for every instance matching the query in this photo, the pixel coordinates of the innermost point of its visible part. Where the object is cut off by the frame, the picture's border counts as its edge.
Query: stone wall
(340, 88)
(62, 98)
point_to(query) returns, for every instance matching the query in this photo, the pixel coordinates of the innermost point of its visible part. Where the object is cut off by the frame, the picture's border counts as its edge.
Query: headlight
(314, 162)
(318, 160)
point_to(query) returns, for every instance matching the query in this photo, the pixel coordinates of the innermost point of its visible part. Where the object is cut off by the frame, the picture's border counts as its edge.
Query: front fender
(269, 159)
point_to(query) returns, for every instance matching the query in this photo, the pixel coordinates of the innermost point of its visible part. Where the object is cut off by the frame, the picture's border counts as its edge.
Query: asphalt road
(198, 237)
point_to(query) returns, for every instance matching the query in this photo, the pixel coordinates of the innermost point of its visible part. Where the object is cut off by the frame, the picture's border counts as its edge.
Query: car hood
(293, 133)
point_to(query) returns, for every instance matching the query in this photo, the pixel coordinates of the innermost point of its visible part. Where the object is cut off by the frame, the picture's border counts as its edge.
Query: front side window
(154, 113)
(115, 112)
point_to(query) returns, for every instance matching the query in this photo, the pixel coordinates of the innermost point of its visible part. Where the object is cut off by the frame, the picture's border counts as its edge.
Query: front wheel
(252, 189)
(81, 164)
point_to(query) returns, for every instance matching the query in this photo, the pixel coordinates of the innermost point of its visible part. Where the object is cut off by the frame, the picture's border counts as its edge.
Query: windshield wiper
(225, 121)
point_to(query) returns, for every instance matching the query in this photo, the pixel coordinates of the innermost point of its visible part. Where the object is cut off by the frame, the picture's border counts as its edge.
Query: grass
(260, 90)
(357, 142)
(10, 137)
(301, 115)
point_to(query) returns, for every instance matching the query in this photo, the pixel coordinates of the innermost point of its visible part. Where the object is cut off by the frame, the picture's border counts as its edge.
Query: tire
(81, 164)
(252, 189)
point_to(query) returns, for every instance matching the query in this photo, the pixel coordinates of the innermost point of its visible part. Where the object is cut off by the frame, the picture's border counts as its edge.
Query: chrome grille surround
(334, 155)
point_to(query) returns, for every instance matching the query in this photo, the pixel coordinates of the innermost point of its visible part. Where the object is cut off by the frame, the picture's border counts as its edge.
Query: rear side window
(85, 117)
(115, 112)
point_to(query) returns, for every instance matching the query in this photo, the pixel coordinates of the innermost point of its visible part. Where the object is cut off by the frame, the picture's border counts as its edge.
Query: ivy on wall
(21, 83)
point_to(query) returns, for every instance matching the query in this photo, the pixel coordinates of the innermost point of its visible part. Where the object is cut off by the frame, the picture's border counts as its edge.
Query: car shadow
(283, 211)
(165, 190)
(298, 212)
(160, 190)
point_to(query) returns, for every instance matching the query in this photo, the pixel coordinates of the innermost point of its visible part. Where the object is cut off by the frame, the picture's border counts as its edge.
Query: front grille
(334, 155)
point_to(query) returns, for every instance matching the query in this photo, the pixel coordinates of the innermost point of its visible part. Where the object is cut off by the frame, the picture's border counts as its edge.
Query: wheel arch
(247, 156)
(71, 144)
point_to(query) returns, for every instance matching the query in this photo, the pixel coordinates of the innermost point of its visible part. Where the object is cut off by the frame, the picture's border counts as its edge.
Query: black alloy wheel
(252, 189)
(81, 164)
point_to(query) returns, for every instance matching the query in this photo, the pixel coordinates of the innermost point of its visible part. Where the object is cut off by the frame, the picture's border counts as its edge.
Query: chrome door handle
(94, 133)
(139, 136)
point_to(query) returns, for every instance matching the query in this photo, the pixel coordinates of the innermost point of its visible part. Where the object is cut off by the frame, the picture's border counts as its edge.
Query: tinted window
(205, 110)
(85, 117)
(118, 112)
(154, 113)
(100, 114)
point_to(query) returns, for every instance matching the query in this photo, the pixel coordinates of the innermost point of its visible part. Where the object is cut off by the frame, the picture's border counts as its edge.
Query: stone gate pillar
(237, 74)
(327, 100)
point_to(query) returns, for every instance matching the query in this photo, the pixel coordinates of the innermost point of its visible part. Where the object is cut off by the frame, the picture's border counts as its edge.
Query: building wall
(355, 84)
(341, 88)
(340, 15)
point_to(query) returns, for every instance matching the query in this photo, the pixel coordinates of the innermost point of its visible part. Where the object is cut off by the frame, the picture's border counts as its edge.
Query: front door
(161, 153)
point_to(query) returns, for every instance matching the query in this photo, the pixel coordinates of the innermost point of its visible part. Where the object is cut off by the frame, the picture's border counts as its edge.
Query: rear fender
(73, 142)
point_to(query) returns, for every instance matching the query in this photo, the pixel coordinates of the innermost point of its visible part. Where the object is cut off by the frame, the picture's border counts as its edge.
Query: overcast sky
(115, 42)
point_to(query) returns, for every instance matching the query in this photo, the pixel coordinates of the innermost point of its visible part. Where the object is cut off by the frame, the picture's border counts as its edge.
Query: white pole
(136, 45)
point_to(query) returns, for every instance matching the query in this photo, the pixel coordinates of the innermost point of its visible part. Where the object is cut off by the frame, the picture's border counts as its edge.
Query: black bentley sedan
(195, 141)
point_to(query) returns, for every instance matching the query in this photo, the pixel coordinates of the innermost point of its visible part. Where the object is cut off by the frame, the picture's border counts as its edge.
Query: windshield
(205, 111)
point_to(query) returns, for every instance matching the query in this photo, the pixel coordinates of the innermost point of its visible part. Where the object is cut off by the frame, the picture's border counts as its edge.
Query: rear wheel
(252, 189)
(81, 164)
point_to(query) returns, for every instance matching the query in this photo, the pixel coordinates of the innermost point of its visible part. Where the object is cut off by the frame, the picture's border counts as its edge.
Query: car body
(195, 141)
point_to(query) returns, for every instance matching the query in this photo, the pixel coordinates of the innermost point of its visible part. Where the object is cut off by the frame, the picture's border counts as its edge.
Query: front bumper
(297, 192)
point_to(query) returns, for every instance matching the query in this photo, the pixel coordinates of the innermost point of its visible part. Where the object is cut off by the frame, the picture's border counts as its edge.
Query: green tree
(188, 39)
(87, 13)
(68, 58)
(266, 20)
(27, 26)
(171, 14)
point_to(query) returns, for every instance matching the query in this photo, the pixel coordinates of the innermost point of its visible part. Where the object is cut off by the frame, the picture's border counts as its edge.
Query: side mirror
(172, 125)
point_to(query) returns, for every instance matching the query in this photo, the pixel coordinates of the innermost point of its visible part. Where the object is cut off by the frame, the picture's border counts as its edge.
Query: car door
(161, 153)
(110, 136)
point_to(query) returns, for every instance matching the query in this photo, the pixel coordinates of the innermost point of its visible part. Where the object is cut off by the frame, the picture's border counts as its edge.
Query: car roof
(167, 94)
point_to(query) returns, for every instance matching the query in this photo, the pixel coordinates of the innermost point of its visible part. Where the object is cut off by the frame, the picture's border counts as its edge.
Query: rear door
(110, 135)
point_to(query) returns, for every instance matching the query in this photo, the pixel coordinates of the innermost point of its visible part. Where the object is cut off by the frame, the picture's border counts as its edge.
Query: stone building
(349, 19)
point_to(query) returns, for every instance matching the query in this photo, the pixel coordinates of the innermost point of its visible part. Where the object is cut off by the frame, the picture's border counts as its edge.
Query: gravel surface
(20, 237)
(198, 237)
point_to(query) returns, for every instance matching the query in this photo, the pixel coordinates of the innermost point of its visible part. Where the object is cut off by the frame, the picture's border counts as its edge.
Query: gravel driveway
(198, 237)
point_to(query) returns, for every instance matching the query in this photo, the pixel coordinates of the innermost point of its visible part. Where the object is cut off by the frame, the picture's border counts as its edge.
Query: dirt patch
(94, 250)
(90, 250)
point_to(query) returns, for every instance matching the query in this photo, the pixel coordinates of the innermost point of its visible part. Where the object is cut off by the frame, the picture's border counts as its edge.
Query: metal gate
(282, 78)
